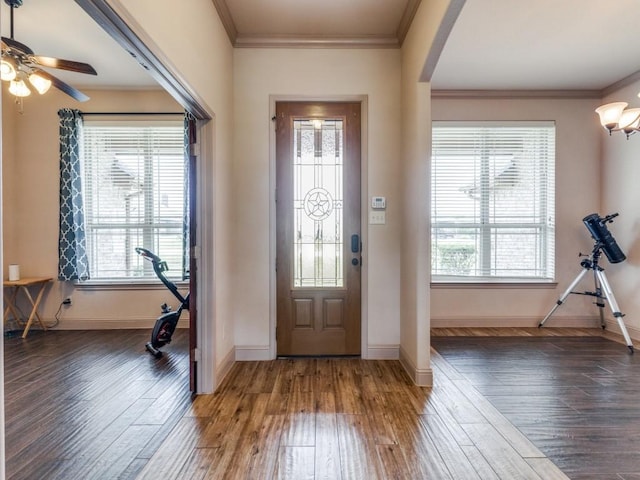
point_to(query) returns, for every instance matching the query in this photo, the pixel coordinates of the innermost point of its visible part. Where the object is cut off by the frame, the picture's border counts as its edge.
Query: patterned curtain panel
(72, 253)
(189, 132)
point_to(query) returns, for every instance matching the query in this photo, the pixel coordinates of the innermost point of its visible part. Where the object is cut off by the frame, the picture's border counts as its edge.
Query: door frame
(364, 195)
(112, 17)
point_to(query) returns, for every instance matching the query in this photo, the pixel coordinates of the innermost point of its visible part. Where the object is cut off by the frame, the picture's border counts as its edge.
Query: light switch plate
(377, 217)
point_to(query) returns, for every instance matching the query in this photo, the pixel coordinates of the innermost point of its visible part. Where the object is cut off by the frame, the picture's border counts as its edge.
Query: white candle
(14, 272)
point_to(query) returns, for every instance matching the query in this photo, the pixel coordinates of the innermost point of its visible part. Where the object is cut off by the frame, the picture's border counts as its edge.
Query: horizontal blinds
(134, 195)
(492, 205)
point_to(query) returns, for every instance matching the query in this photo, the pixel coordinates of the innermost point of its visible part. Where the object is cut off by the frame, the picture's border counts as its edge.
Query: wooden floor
(343, 419)
(81, 405)
(94, 405)
(575, 398)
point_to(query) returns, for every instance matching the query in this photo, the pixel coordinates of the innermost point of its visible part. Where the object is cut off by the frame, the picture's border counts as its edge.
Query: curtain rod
(132, 113)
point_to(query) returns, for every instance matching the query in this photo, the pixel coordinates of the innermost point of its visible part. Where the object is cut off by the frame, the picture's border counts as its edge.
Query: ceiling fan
(20, 63)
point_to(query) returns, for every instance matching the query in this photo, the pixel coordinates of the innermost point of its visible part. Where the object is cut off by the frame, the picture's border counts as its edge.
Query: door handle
(355, 243)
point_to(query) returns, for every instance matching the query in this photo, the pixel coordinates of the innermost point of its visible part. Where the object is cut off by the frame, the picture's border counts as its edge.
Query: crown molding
(406, 20)
(516, 94)
(239, 40)
(226, 19)
(620, 84)
(293, 41)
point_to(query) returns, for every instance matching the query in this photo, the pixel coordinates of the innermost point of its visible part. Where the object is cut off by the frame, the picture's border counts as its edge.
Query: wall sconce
(616, 117)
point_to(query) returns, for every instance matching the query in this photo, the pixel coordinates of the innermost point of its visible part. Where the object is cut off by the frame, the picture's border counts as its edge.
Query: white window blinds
(492, 201)
(134, 196)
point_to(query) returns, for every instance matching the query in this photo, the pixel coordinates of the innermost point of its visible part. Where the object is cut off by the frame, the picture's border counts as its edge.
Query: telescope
(602, 292)
(597, 226)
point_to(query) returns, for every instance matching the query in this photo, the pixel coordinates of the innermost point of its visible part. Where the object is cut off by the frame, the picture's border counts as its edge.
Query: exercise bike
(166, 323)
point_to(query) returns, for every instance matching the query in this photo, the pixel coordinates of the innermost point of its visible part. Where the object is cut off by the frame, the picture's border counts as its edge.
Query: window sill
(146, 284)
(495, 285)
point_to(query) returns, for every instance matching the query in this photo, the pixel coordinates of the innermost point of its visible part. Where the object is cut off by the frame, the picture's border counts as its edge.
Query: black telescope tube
(601, 234)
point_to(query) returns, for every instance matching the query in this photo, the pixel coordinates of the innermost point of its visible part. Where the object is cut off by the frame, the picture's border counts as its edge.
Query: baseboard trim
(612, 326)
(225, 366)
(555, 321)
(421, 377)
(252, 353)
(108, 323)
(383, 352)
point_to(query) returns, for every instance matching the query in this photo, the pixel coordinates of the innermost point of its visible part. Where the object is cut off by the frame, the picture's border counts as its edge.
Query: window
(492, 201)
(134, 187)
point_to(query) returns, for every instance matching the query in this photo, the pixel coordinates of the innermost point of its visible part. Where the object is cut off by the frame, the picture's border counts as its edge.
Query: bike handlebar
(148, 255)
(159, 267)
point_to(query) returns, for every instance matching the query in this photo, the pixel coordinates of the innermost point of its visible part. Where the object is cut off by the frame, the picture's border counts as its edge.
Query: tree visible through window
(492, 201)
(134, 196)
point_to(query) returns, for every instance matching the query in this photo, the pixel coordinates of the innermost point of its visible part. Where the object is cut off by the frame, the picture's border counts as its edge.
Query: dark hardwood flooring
(575, 398)
(95, 405)
(82, 405)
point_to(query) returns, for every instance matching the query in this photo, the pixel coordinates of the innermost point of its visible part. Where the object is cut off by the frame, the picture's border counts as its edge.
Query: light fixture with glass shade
(18, 87)
(40, 83)
(616, 117)
(7, 69)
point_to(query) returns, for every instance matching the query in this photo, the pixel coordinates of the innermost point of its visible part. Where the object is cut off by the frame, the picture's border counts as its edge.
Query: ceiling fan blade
(61, 64)
(65, 87)
(15, 45)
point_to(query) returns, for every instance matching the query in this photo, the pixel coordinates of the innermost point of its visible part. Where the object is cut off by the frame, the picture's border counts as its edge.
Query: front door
(318, 228)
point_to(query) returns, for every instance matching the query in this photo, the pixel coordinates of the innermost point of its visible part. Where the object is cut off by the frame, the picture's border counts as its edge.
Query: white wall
(301, 74)
(620, 193)
(578, 142)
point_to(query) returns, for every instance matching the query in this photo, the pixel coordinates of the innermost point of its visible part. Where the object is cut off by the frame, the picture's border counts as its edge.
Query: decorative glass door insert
(318, 203)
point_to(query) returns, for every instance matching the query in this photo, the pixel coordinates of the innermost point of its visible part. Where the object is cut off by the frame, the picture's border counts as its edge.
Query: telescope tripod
(602, 293)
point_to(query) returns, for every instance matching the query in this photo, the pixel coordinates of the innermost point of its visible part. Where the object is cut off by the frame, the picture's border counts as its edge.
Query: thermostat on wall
(378, 203)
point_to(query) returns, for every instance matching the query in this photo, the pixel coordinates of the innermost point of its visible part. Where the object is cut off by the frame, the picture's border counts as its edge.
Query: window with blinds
(134, 182)
(492, 201)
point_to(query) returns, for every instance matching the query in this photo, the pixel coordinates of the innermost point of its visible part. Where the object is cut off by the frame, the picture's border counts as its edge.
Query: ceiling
(494, 44)
(540, 45)
(259, 23)
(62, 29)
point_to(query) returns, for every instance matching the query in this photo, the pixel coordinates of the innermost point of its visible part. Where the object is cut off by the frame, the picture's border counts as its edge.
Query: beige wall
(3, 123)
(31, 207)
(9, 188)
(578, 142)
(301, 74)
(415, 152)
(193, 42)
(620, 193)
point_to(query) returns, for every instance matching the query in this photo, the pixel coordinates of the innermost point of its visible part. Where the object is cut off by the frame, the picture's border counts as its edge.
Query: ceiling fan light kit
(8, 70)
(41, 84)
(19, 88)
(19, 64)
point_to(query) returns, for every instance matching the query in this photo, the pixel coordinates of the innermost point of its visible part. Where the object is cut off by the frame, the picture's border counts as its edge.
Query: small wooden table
(11, 293)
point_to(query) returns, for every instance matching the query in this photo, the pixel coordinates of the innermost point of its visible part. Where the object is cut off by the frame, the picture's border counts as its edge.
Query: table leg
(11, 306)
(34, 310)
